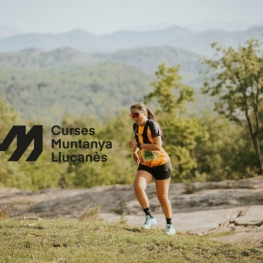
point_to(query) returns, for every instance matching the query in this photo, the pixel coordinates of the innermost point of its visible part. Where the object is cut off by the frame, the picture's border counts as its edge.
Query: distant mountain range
(147, 59)
(49, 94)
(65, 81)
(175, 36)
(77, 72)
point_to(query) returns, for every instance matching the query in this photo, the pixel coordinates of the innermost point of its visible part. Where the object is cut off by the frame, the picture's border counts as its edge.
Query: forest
(211, 133)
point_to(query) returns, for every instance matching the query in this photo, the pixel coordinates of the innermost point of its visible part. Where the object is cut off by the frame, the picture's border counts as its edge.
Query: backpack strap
(148, 124)
(144, 134)
(135, 129)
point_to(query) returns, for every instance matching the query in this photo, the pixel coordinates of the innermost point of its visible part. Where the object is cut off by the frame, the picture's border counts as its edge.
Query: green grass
(64, 240)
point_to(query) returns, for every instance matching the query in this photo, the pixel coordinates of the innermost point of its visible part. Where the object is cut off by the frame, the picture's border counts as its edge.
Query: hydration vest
(149, 123)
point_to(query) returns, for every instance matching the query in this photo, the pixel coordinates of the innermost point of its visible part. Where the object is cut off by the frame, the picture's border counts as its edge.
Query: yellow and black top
(145, 134)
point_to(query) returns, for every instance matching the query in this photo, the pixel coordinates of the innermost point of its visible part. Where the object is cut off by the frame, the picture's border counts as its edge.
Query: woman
(153, 162)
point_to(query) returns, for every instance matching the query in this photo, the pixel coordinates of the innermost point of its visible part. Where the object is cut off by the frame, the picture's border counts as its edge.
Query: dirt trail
(197, 207)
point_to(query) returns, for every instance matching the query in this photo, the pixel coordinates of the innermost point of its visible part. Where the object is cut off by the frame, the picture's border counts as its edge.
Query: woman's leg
(142, 179)
(162, 189)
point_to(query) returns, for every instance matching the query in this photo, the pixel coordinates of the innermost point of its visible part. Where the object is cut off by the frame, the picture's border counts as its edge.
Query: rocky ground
(198, 208)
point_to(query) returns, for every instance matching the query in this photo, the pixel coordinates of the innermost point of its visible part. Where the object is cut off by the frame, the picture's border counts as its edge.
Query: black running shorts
(160, 172)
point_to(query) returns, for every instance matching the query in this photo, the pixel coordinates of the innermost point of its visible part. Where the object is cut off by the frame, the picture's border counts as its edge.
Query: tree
(11, 174)
(227, 154)
(236, 76)
(165, 88)
(180, 133)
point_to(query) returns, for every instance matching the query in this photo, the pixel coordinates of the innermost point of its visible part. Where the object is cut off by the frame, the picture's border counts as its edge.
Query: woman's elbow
(158, 147)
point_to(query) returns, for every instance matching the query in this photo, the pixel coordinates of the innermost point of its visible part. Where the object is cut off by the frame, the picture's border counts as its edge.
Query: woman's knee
(139, 187)
(163, 198)
(141, 181)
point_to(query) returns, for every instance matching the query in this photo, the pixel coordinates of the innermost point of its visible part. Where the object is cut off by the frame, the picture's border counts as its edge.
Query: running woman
(154, 163)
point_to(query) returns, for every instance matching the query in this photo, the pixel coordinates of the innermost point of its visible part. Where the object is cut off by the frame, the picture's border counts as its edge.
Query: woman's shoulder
(153, 123)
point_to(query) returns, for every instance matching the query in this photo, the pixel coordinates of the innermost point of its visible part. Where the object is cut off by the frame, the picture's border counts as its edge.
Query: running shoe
(170, 229)
(149, 222)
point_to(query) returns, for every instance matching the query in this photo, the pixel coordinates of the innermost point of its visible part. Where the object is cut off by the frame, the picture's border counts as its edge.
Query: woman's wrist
(139, 145)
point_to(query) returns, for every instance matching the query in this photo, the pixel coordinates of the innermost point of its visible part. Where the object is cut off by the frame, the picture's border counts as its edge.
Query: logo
(23, 141)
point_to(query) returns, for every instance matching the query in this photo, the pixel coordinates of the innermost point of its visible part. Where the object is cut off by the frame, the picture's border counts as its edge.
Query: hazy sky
(106, 16)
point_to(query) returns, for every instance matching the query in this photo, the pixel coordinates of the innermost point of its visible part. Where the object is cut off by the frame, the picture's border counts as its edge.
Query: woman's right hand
(136, 157)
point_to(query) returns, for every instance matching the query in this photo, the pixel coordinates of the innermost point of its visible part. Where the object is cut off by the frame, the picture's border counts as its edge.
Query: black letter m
(23, 141)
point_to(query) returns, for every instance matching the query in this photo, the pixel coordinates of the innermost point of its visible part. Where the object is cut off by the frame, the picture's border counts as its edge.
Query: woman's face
(138, 116)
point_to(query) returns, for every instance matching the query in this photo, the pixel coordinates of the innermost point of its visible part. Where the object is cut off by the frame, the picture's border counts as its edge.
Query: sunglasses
(135, 114)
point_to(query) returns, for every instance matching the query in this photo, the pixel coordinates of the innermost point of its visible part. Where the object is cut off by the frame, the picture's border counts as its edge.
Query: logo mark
(23, 141)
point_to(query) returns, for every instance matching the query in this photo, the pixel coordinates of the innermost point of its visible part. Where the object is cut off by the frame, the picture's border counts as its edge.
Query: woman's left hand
(132, 144)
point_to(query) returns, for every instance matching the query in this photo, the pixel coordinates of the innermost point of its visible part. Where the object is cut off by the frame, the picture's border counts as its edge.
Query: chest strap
(144, 134)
